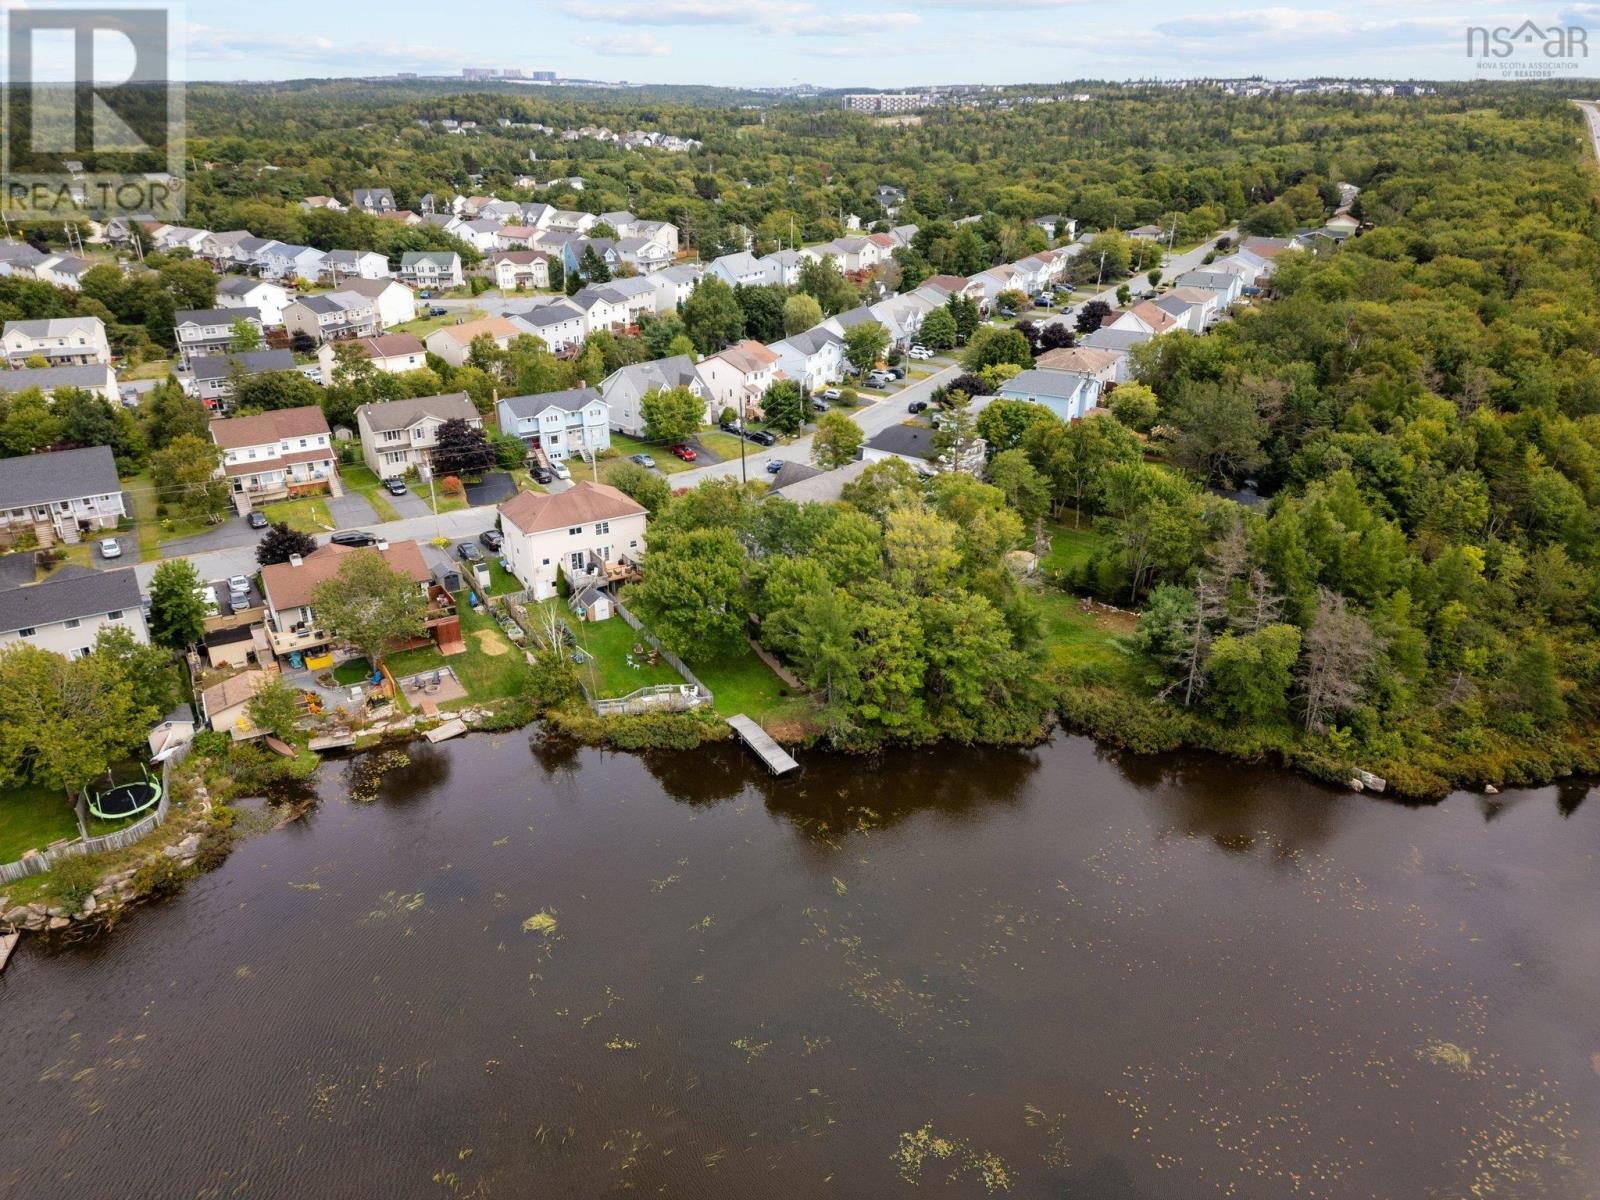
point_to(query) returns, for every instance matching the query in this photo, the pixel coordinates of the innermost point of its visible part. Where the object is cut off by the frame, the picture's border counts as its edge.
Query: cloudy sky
(876, 43)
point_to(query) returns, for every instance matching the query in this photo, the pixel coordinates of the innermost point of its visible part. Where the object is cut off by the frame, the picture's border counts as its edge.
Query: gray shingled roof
(1121, 340)
(402, 414)
(214, 316)
(1060, 385)
(911, 441)
(47, 379)
(63, 475)
(70, 592)
(677, 371)
(573, 400)
(250, 362)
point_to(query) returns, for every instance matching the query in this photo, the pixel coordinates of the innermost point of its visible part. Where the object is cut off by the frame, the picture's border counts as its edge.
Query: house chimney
(295, 560)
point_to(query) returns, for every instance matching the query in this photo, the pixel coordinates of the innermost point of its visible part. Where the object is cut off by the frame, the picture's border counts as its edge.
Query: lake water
(1060, 973)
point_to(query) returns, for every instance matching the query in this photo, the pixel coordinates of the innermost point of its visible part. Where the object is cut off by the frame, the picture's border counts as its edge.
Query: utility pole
(1101, 278)
(744, 473)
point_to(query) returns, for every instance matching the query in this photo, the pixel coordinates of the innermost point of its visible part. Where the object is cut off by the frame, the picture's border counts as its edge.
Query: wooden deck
(768, 751)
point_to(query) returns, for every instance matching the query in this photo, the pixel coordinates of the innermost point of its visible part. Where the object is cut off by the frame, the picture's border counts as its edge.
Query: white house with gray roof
(91, 377)
(400, 435)
(210, 330)
(335, 315)
(573, 423)
(66, 612)
(431, 268)
(1068, 394)
(625, 388)
(268, 299)
(60, 341)
(558, 325)
(738, 269)
(339, 265)
(64, 494)
(814, 358)
(212, 377)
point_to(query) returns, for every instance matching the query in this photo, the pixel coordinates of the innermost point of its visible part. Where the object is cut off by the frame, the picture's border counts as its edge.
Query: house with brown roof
(276, 454)
(391, 353)
(452, 342)
(520, 268)
(738, 377)
(1143, 317)
(1084, 360)
(591, 533)
(289, 589)
(225, 706)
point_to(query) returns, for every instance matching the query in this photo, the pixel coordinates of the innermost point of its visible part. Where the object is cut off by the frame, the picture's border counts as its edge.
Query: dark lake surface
(530, 973)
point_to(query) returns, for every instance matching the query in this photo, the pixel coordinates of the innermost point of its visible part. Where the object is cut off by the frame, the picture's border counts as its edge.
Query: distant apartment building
(888, 102)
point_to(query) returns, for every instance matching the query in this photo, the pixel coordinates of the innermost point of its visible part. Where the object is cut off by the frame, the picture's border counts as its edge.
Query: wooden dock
(333, 741)
(8, 943)
(450, 729)
(767, 750)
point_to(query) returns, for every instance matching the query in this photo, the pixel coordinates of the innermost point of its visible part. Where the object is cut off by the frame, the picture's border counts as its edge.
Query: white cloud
(882, 22)
(778, 16)
(624, 45)
(208, 44)
(1332, 29)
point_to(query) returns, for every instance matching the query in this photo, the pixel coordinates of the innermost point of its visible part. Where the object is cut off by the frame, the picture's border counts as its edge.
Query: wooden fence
(42, 860)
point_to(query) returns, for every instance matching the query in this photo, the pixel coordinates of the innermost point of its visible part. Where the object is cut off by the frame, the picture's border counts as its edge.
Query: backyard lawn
(666, 462)
(609, 644)
(1071, 547)
(423, 326)
(31, 818)
(1077, 636)
(306, 513)
(157, 369)
(491, 667)
(724, 445)
(360, 479)
(742, 683)
(148, 524)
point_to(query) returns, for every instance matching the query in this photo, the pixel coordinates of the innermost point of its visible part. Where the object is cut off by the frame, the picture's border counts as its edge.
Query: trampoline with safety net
(126, 799)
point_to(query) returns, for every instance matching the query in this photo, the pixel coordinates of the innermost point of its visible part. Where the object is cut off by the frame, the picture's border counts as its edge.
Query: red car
(683, 452)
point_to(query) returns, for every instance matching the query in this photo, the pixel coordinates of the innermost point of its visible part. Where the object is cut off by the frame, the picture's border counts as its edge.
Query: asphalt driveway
(491, 489)
(230, 534)
(350, 510)
(409, 504)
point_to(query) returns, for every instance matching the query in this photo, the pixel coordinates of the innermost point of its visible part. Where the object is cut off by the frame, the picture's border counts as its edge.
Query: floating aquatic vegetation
(916, 1149)
(543, 921)
(661, 885)
(621, 1043)
(1447, 1054)
(366, 773)
(752, 1049)
(394, 904)
(313, 886)
(840, 886)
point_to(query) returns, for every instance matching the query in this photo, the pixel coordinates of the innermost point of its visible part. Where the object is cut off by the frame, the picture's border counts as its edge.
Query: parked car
(774, 465)
(468, 553)
(684, 452)
(423, 295)
(917, 406)
(921, 353)
(437, 311)
(395, 487)
(543, 475)
(110, 548)
(560, 470)
(257, 519)
(239, 585)
(762, 438)
(832, 395)
(491, 540)
(820, 406)
(644, 460)
(729, 427)
(880, 379)
(353, 537)
(897, 372)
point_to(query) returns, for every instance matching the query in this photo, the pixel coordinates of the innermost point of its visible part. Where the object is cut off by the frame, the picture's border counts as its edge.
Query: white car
(110, 548)
(920, 352)
(880, 379)
(559, 470)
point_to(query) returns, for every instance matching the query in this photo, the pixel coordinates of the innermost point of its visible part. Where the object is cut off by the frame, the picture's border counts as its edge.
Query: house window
(114, 615)
(27, 631)
(602, 527)
(575, 531)
(634, 545)
(73, 622)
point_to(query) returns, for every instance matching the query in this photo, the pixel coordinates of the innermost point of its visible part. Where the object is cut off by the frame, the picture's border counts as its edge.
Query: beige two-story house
(276, 454)
(399, 436)
(591, 532)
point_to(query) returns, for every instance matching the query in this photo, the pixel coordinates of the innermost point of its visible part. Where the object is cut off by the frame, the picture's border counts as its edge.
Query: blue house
(1068, 394)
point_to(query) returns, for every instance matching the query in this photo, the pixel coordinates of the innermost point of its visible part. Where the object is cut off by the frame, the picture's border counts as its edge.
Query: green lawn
(625, 446)
(1070, 547)
(360, 479)
(31, 818)
(423, 326)
(724, 445)
(307, 513)
(608, 644)
(485, 674)
(157, 369)
(501, 581)
(1075, 636)
(151, 529)
(742, 683)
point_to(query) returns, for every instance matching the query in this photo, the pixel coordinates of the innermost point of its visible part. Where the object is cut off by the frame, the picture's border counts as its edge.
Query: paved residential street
(1139, 284)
